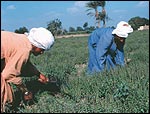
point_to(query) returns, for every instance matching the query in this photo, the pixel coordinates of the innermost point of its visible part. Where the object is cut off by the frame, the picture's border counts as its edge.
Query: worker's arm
(41, 77)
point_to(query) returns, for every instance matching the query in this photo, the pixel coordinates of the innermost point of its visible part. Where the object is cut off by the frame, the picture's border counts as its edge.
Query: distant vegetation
(136, 22)
(55, 26)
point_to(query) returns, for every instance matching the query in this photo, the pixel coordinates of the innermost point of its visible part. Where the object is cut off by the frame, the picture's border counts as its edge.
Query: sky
(30, 14)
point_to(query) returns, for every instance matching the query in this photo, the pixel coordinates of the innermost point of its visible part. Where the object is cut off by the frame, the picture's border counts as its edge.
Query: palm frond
(99, 16)
(91, 4)
(89, 9)
(91, 13)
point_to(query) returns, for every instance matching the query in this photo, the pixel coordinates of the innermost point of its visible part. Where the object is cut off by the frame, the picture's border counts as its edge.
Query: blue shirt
(103, 52)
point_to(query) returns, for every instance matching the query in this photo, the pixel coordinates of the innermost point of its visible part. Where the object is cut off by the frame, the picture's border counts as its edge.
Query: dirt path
(68, 36)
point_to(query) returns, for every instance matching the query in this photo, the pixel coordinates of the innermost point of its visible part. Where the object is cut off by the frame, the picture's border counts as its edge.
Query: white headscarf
(122, 29)
(41, 38)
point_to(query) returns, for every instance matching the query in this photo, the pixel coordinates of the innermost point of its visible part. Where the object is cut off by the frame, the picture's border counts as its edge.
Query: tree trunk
(104, 19)
(96, 17)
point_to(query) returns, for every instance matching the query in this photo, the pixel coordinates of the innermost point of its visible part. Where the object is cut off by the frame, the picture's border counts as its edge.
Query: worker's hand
(22, 87)
(43, 79)
(28, 96)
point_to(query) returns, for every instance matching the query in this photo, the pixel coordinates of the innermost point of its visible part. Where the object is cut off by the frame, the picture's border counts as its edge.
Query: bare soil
(68, 36)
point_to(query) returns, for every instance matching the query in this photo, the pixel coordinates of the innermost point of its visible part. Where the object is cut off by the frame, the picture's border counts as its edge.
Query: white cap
(122, 29)
(41, 38)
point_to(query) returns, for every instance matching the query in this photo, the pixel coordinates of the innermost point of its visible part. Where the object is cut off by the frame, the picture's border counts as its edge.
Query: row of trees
(55, 26)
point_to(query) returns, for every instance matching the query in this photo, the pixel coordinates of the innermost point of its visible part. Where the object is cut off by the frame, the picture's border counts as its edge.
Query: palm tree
(99, 16)
(102, 15)
(92, 5)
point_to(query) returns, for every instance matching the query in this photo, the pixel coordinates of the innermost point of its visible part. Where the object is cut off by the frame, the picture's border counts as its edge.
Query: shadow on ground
(35, 87)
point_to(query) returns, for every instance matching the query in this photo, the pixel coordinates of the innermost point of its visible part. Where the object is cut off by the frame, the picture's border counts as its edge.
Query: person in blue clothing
(106, 47)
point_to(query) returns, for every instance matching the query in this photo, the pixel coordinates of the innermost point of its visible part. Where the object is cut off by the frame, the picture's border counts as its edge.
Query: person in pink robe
(15, 60)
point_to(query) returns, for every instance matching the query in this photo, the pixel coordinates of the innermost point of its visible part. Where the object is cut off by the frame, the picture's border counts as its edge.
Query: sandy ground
(68, 36)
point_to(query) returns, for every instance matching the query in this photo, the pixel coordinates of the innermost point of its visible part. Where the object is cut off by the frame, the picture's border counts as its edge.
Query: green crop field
(122, 90)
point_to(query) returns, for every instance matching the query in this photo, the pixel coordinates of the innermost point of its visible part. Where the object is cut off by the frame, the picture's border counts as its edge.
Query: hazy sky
(16, 14)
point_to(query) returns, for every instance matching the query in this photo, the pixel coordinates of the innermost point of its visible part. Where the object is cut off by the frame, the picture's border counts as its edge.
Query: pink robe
(15, 50)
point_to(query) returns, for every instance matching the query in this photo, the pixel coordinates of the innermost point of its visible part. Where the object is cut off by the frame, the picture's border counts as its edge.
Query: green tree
(79, 29)
(21, 30)
(64, 31)
(136, 22)
(102, 14)
(55, 26)
(91, 28)
(72, 29)
(85, 25)
(99, 16)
